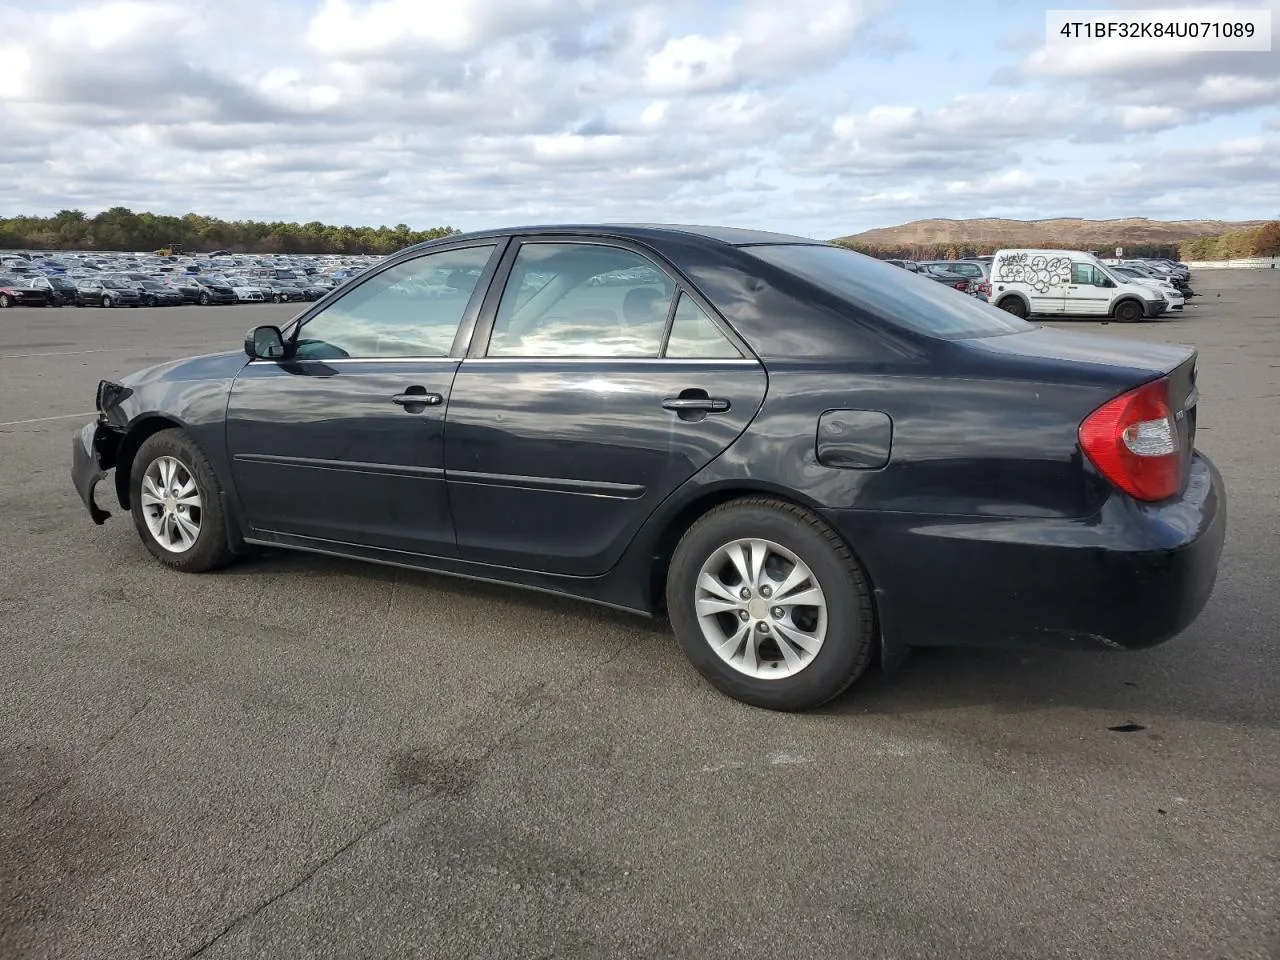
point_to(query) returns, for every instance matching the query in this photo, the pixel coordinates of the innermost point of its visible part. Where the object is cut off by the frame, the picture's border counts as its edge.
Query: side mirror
(264, 343)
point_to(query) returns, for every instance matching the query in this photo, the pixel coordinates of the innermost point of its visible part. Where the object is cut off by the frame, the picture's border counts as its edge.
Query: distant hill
(1058, 232)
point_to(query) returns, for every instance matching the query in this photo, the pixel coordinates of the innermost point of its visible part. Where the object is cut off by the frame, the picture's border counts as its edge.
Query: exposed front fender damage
(93, 453)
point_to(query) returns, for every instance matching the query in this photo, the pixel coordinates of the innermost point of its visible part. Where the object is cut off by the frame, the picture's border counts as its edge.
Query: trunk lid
(1107, 366)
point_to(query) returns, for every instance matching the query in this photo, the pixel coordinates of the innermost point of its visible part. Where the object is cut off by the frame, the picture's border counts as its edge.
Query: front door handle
(416, 399)
(709, 404)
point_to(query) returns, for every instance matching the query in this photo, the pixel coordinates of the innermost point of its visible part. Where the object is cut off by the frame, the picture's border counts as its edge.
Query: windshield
(1106, 271)
(896, 296)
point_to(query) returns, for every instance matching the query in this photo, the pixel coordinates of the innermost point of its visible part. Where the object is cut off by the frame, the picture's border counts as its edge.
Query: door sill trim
(426, 563)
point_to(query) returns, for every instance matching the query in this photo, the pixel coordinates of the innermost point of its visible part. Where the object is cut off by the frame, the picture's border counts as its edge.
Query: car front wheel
(770, 605)
(5, 302)
(176, 502)
(1129, 312)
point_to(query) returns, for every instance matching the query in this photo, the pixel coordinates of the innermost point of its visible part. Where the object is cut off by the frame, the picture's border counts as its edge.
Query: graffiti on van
(1038, 271)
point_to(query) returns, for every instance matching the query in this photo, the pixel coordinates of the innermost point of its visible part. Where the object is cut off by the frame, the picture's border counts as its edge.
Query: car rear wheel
(1128, 312)
(176, 502)
(770, 605)
(1015, 306)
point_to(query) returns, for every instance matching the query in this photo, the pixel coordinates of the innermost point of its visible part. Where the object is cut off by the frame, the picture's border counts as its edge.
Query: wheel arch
(1013, 295)
(674, 526)
(1127, 298)
(140, 430)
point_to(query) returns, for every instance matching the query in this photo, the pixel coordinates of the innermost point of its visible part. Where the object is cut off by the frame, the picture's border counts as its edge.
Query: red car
(14, 292)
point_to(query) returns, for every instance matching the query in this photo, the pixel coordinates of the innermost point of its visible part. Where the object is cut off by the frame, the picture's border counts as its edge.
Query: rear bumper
(1133, 575)
(93, 453)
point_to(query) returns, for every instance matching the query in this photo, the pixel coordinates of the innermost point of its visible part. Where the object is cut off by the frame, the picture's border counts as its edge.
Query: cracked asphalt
(301, 757)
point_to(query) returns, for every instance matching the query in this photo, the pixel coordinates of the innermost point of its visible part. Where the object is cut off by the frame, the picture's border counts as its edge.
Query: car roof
(715, 236)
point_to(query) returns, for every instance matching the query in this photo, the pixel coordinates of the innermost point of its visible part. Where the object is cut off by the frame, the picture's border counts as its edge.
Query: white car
(1171, 293)
(1069, 283)
(245, 292)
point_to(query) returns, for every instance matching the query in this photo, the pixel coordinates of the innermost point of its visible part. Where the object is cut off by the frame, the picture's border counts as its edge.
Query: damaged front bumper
(94, 449)
(93, 453)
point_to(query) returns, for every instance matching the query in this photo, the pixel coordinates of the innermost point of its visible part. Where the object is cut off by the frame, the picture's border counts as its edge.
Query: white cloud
(475, 112)
(351, 28)
(693, 63)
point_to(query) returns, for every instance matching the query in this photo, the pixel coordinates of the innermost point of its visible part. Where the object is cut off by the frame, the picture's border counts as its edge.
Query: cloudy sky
(819, 117)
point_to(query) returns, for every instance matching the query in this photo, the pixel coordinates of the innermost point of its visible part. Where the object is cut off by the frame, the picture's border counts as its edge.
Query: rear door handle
(709, 404)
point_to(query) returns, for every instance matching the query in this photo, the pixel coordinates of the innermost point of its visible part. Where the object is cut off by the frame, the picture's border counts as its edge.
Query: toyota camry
(805, 458)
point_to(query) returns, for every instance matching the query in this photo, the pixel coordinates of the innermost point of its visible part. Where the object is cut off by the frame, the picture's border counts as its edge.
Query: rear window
(896, 296)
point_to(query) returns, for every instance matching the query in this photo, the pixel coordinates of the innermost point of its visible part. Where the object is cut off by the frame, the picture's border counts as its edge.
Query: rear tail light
(984, 287)
(1133, 441)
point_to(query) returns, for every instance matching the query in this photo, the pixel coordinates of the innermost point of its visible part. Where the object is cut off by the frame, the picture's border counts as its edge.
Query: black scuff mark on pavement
(1127, 728)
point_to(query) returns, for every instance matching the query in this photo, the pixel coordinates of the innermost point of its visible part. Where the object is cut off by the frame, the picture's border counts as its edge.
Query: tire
(811, 675)
(5, 302)
(275, 298)
(106, 303)
(209, 548)
(204, 299)
(1128, 311)
(1015, 306)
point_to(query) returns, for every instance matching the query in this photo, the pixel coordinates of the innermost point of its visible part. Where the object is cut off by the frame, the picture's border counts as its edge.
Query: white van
(1068, 283)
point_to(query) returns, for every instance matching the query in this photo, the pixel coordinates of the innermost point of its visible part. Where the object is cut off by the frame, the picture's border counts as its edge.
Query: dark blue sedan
(806, 458)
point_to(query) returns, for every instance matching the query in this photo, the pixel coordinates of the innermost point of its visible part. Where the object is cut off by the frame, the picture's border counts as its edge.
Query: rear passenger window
(581, 300)
(695, 337)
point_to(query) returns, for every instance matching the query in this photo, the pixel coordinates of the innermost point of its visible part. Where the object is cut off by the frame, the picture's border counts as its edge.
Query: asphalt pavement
(301, 757)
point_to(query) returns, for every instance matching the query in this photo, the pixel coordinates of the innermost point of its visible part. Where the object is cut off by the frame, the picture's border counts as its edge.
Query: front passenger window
(410, 310)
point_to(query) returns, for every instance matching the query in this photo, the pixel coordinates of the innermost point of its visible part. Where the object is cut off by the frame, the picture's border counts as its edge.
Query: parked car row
(153, 280)
(1065, 283)
(968, 276)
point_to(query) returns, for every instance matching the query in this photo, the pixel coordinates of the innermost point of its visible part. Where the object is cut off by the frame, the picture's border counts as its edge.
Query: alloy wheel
(171, 504)
(761, 609)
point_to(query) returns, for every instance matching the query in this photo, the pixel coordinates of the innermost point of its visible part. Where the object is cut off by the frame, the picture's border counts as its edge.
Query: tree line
(121, 229)
(1263, 241)
(961, 251)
